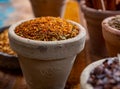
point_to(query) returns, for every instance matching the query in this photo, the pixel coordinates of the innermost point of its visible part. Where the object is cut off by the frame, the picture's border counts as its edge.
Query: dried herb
(115, 22)
(47, 29)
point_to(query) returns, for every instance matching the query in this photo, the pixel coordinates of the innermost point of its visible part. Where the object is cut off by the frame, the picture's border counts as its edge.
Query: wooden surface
(13, 79)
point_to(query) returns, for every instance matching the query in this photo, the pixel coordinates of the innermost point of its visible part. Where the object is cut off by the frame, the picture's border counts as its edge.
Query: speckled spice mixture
(47, 29)
(115, 22)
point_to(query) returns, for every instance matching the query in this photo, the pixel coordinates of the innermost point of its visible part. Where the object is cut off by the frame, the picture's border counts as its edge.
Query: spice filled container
(111, 34)
(8, 58)
(48, 46)
(95, 12)
(102, 74)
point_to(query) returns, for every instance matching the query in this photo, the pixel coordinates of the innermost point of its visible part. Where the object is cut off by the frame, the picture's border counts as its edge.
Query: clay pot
(112, 37)
(46, 64)
(93, 19)
(86, 73)
(48, 7)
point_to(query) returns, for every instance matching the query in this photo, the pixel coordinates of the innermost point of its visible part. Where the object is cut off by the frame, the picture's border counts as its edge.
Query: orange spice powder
(47, 29)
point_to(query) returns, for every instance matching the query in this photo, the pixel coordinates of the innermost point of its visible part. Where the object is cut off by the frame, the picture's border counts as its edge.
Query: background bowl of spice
(111, 34)
(95, 11)
(102, 74)
(46, 47)
(8, 58)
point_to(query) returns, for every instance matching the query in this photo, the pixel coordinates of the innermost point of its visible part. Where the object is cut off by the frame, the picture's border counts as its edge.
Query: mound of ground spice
(47, 29)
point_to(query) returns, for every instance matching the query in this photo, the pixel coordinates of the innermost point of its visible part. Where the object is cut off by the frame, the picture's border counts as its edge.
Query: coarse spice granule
(47, 29)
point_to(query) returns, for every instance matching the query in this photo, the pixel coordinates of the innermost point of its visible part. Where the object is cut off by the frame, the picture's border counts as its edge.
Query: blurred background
(14, 10)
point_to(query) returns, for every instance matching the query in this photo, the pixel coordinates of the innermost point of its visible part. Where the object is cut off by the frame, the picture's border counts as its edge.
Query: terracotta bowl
(112, 37)
(93, 18)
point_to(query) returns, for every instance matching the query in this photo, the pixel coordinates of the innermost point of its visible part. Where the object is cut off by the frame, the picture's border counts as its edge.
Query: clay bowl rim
(25, 41)
(107, 27)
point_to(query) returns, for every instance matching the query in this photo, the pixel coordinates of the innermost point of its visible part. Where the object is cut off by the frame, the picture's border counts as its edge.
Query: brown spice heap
(47, 29)
(4, 43)
(106, 75)
(115, 22)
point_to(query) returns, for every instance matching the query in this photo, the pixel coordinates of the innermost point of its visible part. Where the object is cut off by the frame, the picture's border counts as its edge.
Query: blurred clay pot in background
(93, 19)
(111, 36)
(48, 7)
